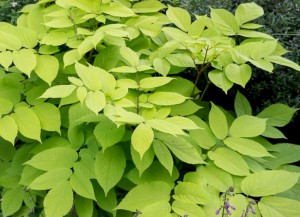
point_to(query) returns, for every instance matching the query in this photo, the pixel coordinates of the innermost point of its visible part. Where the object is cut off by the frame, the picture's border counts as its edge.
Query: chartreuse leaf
(283, 61)
(82, 185)
(238, 74)
(118, 10)
(84, 207)
(246, 147)
(50, 179)
(142, 138)
(247, 126)
(25, 60)
(153, 82)
(165, 126)
(12, 200)
(6, 59)
(191, 193)
(242, 105)
(90, 78)
(218, 122)
(162, 66)
(197, 26)
(219, 79)
(70, 57)
(106, 202)
(29, 174)
(180, 17)
(130, 56)
(163, 154)
(203, 136)
(186, 208)
(59, 91)
(181, 148)
(8, 129)
(145, 162)
(145, 195)
(265, 183)
(59, 200)
(274, 133)
(54, 158)
(278, 115)
(109, 167)
(95, 101)
(229, 161)
(279, 207)
(48, 115)
(148, 6)
(184, 109)
(224, 21)
(247, 12)
(28, 122)
(166, 98)
(108, 133)
(47, 68)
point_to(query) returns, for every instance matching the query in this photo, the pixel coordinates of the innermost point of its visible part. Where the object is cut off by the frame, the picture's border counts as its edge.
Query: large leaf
(49, 116)
(218, 122)
(277, 115)
(9, 41)
(8, 129)
(60, 157)
(108, 133)
(142, 138)
(143, 196)
(224, 21)
(279, 207)
(47, 68)
(229, 161)
(247, 12)
(12, 200)
(247, 126)
(109, 167)
(25, 60)
(82, 185)
(246, 147)
(242, 105)
(50, 179)
(166, 98)
(28, 123)
(181, 148)
(180, 17)
(265, 183)
(163, 154)
(59, 200)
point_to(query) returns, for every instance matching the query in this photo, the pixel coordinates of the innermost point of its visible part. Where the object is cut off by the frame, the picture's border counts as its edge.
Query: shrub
(95, 120)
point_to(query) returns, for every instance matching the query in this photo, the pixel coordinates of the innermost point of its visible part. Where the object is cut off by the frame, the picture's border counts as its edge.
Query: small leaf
(6, 59)
(246, 147)
(118, 10)
(49, 116)
(109, 167)
(60, 157)
(185, 208)
(153, 82)
(12, 200)
(180, 17)
(47, 68)
(8, 129)
(25, 60)
(28, 123)
(59, 91)
(130, 56)
(219, 79)
(247, 12)
(163, 154)
(242, 105)
(147, 6)
(150, 193)
(279, 207)
(165, 126)
(145, 162)
(218, 122)
(142, 138)
(59, 200)
(265, 183)
(238, 74)
(197, 26)
(229, 161)
(108, 133)
(247, 126)
(50, 179)
(95, 101)
(278, 115)
(166, 98)
(70, 57)
(82, 186)
(162, 66)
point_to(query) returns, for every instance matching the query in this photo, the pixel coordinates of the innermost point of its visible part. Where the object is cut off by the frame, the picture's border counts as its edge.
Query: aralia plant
(96, 119)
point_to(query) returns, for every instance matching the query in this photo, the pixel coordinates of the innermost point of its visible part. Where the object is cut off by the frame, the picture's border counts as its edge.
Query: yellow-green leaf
(142, 138)
(8, 129)
(130, 56)
(25, 60)
(218, 122)
(180, 17)
(95, 101)
(6, 59)
(166, 98)
(59, 91)
(82, 185)
(153, 82)
(247, 12)
(47, 68)
(90, 78)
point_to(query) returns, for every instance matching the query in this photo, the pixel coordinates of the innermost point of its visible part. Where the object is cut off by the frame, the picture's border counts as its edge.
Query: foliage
(95, 120)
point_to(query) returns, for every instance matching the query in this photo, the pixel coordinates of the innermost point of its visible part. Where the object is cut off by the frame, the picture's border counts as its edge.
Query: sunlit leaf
(142, 138)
